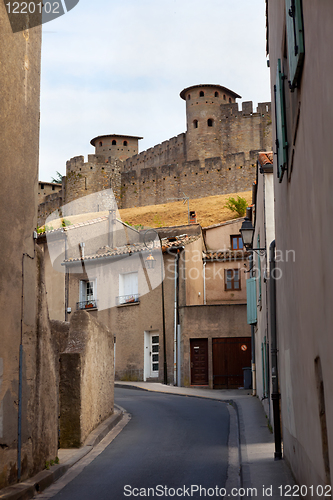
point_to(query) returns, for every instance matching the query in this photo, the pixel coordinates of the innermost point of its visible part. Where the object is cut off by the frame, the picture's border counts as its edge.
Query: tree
(58, 178)
(238, 206)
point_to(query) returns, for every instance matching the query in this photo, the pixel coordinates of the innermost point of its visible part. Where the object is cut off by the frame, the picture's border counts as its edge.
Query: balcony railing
(86, 304)
(127, 299)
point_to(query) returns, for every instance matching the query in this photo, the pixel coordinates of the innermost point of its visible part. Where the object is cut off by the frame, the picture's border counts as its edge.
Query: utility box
(247, 378)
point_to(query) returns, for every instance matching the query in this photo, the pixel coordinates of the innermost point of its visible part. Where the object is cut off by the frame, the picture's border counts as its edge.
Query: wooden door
(230, 356)
(199, 361)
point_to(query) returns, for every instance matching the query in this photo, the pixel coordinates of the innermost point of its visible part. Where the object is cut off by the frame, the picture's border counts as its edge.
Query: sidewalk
(67, 457)
(257, 466)
(253, 464)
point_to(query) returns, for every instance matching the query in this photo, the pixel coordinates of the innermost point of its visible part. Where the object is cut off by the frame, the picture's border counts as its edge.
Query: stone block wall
(86, 379)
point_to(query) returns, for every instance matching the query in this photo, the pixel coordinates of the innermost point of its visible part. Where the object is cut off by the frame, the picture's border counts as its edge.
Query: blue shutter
(280, 122)
(295, 40)
(251, 293)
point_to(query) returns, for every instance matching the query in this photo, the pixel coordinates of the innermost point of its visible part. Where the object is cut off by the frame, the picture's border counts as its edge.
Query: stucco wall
(303, 216)
(217, 237)
(210, 321)
(21, 266)
(86, 379)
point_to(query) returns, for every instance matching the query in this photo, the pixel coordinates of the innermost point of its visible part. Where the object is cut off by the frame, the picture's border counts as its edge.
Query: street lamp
(150, 261)
(247, 232)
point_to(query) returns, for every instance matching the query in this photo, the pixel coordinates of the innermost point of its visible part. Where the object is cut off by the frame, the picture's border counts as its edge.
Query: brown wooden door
(230, 356)
(199, 361)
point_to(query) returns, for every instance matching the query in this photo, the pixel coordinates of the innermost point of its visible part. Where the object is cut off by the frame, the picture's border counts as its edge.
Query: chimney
(193, 217)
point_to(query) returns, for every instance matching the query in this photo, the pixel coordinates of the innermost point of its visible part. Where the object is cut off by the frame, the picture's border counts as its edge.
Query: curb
(38, 483)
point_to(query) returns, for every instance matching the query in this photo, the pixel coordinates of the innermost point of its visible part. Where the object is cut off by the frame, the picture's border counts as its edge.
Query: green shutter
(251, 293)
(280, 122)
(295, 37)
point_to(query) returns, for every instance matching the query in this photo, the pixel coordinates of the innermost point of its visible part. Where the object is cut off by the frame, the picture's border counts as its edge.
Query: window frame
(281, 141)
(133, 296)
(89, 301)
(295, 41)
(232, 281)
(239, 239)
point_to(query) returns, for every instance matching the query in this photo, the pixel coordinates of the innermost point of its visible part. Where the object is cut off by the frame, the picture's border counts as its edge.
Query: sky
(118, 66)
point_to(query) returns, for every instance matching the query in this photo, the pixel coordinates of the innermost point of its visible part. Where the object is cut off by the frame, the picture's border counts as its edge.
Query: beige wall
(303, 218)
(86, 379)
(21, 266)
(218, 237)
(215, 282)
(210, 321)
(264, 227)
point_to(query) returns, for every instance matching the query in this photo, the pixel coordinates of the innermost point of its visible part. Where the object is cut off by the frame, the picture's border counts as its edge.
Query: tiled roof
(225, 255)
(77, 225)
(266, 158)
(226, 223)
(106, 251)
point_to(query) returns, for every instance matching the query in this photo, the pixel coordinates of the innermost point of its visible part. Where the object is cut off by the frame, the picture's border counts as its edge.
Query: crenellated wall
(216, 156)
(171, 151)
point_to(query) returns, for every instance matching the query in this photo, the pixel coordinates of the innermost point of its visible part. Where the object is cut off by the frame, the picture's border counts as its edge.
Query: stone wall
(86, 379)
(26, 343)
(213, 159)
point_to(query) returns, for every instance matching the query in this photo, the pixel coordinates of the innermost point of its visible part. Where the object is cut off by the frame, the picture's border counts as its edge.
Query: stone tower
(115, 146)
(203, 136)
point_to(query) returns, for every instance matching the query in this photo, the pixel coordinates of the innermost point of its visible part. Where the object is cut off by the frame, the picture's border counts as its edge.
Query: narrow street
(172, 441)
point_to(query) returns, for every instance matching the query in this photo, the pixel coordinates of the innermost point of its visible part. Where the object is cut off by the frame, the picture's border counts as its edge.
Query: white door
(151, 355)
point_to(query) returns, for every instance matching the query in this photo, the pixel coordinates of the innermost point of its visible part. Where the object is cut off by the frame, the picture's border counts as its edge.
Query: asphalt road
(171, 442)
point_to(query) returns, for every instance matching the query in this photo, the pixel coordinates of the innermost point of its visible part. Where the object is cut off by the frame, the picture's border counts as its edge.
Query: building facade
(299, 34)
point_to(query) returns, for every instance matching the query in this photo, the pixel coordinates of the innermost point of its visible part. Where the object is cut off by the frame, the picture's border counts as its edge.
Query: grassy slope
(209, 210)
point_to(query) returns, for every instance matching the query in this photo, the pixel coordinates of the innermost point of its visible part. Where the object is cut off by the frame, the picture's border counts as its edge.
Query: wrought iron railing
(86, 304)
(127, 299)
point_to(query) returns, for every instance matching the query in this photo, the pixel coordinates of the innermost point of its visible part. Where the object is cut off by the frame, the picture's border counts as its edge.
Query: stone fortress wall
(216, 155)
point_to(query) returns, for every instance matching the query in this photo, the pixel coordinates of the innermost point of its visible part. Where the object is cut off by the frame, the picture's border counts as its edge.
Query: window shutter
(251, 293)
(83, 290)
(295, 37)
(280, 122)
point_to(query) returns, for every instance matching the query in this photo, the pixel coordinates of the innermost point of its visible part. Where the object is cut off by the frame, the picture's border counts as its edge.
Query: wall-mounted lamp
(247, 232)
(150, 261)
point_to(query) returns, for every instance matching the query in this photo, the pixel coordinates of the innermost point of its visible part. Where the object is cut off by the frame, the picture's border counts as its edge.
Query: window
(87, 295)
(295, 37)
(128, 288)
(125, 143)
(100, 143)
(232, 279)
(189, 97)
(280, 122)
(216, 94)
(114, 142)
(42, 186)
(236, 242)
(230, 99)
(210, 122)
(201, 93)
(224, 97)
(195, 123)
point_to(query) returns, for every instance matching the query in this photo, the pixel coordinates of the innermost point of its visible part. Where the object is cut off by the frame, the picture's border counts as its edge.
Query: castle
(216, 155)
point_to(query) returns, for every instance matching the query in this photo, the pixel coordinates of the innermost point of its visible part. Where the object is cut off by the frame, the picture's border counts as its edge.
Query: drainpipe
(204, 282)
(175, 323)
(274, 351)
(253, 346)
